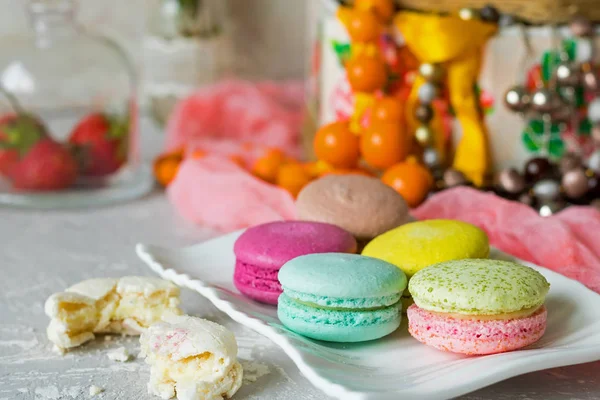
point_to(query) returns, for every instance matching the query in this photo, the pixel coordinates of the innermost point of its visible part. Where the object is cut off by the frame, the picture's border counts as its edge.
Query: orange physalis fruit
(267, 166)
(383, 145)
(413, 181)
(387, 109)
(292, 177)
(383, 9)
(366, 74)
(362, 25)
(349, 171)
(166, 167)
(335, 144)
(198, 153)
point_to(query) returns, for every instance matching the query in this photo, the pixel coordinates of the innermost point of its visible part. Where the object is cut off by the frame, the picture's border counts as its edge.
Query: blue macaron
(340, 297)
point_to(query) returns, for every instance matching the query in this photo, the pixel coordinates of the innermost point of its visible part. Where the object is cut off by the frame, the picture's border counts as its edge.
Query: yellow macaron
(414, 246)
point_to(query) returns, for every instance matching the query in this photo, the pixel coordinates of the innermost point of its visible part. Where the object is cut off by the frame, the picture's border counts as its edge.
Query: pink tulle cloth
(567, 242)
(216, 192)
(241, 119)
(239, 116)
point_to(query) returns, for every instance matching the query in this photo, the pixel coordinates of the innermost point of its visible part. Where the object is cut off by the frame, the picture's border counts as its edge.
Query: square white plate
(396, 366)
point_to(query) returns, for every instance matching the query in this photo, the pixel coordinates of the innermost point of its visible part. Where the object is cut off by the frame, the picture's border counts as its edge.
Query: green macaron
(478, 287)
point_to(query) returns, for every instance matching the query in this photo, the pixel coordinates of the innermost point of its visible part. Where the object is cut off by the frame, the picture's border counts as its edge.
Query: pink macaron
(478, 306)
(262, 250)
(473, 336)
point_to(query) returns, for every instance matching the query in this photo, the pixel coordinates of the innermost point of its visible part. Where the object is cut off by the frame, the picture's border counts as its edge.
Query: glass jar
(68, 116)
(185, 46)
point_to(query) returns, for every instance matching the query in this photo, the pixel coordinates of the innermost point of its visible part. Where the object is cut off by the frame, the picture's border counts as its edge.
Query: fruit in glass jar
(102, 140)
(366, 73)
(383, 9)
(166, 167)
(411, 180)
(267, 166)
(337, 145)
(361, 25)
(18, 132)
(387, 109)
(383, 144)
(47, 165)
(293, 177)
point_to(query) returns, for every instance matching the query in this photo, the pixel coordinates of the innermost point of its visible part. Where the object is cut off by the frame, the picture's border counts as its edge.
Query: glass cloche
(68, 115)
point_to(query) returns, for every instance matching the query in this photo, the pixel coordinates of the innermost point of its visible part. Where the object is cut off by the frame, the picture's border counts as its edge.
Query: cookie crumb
(121, 355)
(95, 390)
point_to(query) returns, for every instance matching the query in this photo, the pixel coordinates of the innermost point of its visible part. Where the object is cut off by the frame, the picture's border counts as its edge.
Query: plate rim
(210, 292)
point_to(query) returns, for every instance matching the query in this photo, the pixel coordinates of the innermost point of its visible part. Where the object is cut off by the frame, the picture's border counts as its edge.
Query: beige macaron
(362, 205)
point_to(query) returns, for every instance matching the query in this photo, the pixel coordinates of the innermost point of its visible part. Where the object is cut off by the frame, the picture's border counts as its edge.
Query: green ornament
(342, 50)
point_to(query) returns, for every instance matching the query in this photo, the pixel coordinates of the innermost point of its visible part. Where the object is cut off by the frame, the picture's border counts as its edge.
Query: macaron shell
(364, 206)
(338, 326)
(273, 244)
(478, 287)
(474, 337)
(416, 245)
(257, 283)
(342, 276)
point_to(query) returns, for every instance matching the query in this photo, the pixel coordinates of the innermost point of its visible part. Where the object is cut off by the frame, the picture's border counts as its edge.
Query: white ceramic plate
(396, 366)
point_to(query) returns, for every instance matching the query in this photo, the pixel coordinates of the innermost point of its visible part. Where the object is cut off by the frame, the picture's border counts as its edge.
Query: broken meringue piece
(191, 358)
(105, 305)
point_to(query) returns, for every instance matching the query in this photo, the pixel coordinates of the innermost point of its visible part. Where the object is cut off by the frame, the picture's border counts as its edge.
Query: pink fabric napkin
(567, 242)
(214, 191)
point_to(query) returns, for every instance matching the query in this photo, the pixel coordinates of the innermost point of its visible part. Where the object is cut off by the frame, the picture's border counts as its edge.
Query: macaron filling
(339, 303)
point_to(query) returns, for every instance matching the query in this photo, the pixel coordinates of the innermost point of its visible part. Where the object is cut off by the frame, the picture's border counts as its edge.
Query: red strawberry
(47, 165)
(103, 144)
(17, 134)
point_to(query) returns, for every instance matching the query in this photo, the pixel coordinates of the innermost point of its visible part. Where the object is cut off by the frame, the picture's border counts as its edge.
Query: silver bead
(546, 190)
(593, 162)
(431, 72)
(424, 135)
(431, 158)
(549, 208)
(467, 14)
(593, 112)
(427, 93)
(517, 99)
(545, 101)
(567, 74)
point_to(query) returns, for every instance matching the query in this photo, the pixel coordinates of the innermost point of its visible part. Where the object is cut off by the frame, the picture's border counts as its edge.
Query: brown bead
(569, 162)
(581, 26)
(424, 113)
(575, 183)
(509, 180)
(596, 134)
(537, 168)
(453, 177)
